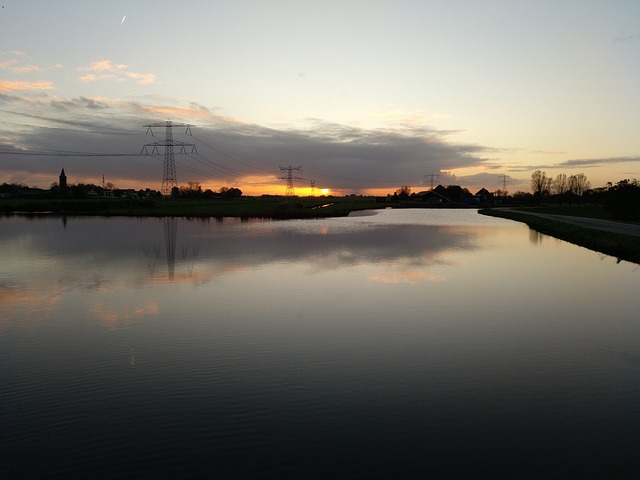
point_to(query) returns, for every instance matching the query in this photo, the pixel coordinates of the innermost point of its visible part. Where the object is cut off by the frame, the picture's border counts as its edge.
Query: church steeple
(63, 182)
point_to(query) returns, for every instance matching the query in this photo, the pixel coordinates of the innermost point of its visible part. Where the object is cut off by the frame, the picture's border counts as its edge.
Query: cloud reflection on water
(115, 264)
(115, 316)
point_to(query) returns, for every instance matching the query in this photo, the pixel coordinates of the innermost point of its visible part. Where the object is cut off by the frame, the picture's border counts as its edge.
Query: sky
(363, 96)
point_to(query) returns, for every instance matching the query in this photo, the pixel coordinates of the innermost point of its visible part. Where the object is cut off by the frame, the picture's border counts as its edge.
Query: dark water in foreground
(404, 344)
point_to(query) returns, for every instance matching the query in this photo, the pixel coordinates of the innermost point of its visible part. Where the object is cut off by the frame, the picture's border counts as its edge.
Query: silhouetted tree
(14, 189)
(540, 185)
(191, 190)
(578, 184)
(404, 192)
(80, 190)
(523, 198)
(561, 186)
(623, 199)
(232, 192)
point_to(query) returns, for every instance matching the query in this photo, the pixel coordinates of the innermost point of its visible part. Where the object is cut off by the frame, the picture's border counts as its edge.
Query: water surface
(405, 343)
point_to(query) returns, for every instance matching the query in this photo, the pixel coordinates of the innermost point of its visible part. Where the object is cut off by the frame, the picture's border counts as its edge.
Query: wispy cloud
(142, 78)
(549, 152)
(627, 38)
(79, 102)
(14, 66)
(19, 63)
(411, 278)
(403, 117)
(593, 162)
(106, 70)
(24, 86)
(193, 112)
(103, 66)
(576, 163)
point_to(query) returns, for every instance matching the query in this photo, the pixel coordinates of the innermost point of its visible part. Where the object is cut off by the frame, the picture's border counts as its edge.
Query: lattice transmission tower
(505, 179)
(432, 177)
(290, 178)
(169, 179)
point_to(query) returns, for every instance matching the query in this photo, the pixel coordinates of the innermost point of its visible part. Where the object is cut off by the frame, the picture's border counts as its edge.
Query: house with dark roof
(432, 197)
(484, 196)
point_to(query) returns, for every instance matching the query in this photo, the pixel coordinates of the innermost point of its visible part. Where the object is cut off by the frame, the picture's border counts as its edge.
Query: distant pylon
(504, 183)
(313, 188)
(431, 178)
(169, 179)
(289, 178)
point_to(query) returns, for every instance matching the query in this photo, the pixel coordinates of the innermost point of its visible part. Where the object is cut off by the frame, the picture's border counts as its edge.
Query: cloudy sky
(364, 96)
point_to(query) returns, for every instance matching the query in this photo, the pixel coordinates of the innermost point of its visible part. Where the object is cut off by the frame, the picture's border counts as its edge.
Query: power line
(218, 170)
(205, 161)
(230, 157)
(55, 153)
(194, 170)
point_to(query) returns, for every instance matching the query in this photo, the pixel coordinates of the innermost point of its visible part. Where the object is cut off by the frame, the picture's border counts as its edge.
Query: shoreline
(276, 208)
(245, 207)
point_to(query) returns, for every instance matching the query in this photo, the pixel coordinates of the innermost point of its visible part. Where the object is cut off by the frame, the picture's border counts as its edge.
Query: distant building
(432, 197)
(484, 196)
(62, 183)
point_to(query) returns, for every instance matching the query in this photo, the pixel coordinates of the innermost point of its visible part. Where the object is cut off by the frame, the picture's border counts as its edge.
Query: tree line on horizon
(86, 190)
(621, 199)
(563, 186)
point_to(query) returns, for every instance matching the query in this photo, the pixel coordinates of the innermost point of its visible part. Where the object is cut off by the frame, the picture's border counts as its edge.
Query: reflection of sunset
(115, 317)
(411, 278)
(32, 304)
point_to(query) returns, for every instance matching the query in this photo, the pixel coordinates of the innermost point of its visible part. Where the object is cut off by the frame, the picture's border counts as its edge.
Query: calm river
(392, 344)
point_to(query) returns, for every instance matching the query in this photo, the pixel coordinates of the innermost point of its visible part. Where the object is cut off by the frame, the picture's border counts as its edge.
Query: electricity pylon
(505, 180)
(169, 179)
(431, 178)
(290, 178)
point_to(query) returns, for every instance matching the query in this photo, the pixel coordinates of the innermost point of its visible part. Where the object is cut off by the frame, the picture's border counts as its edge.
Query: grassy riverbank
(623, 247)
(247, 207)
